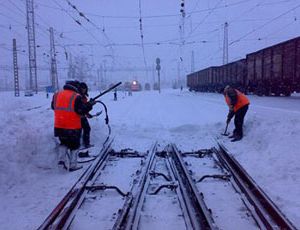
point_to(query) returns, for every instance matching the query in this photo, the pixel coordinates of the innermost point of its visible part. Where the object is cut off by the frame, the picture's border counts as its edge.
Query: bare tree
(80, 69)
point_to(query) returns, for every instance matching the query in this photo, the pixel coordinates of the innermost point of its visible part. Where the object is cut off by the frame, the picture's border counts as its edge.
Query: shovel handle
(225, 132)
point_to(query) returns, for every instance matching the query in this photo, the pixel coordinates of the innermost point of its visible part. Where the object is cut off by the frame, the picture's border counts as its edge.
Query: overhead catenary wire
(78, 22)
(141, 33)
(154, 16)
(81, 14)
(206, 16)
(102, 30)
(242, 38)
(263, 25)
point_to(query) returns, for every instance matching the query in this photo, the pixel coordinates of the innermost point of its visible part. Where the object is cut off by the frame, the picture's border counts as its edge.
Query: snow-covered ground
(32, 184)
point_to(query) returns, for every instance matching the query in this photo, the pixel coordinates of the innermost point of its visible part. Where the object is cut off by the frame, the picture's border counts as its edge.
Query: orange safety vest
(65, 116)
(242, 100)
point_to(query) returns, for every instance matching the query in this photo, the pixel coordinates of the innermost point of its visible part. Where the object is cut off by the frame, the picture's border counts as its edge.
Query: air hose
(106, 122)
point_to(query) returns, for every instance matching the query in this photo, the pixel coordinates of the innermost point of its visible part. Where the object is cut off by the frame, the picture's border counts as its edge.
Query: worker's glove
(92, 102)
(89, 115)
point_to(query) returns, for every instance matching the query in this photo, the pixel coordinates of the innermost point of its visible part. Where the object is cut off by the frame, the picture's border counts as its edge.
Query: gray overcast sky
(253, 24)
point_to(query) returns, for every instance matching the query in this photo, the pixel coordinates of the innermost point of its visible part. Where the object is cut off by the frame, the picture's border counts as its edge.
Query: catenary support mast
(31, 46)
(225, 44)
(16, 72)
(53, 71)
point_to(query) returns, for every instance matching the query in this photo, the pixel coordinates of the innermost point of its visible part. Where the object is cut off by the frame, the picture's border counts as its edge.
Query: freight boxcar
(204, 80)
(274, 70)
(233, 74)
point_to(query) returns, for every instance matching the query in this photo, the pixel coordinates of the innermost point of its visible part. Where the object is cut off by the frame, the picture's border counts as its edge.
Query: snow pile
(32, 184)
(26, 130)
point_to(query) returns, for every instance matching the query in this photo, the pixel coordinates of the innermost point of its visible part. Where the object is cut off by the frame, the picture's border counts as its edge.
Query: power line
(151, 16)
(263, 25)
(208, 14)
(81, 14)
(78, 22)
(279, 30)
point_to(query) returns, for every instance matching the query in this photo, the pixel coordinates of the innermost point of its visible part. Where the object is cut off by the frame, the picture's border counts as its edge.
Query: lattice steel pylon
(16, 72)
(53, 71)
(31, 46)
(193, 62)
(225, 44)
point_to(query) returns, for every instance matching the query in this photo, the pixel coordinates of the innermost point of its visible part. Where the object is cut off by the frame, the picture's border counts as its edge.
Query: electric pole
(193, 62)
(53, 71)
(71, 67)
(16, 72)
(104, 72)
(31, 46)
(182, 41)
(225, 44)
(158, 67)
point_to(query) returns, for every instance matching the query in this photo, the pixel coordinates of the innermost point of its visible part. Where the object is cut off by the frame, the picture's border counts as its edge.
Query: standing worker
(68, 109)
(84, 121)
(238, 106)
(115, 95)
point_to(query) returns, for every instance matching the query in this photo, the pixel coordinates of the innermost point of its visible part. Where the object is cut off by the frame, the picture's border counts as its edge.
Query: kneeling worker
(68, 109)
(238, 106)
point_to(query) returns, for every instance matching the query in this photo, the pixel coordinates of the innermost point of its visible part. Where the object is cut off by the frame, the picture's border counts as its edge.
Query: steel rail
(200, 215)
(183, 204)
(129, 213)
(129, 219)
(61, 213)
(270, 216)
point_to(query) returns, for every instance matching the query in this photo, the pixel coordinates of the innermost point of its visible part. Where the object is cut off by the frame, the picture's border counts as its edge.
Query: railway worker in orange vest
(238, 105)
(68, 108)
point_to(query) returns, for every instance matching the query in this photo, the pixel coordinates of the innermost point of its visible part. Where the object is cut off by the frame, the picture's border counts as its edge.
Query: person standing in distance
(238, 105)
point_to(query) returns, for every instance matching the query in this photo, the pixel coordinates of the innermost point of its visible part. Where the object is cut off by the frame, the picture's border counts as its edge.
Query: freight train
(274, 70)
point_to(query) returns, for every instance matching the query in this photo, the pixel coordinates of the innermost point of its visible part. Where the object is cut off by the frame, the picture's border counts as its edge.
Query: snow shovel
(225, 132)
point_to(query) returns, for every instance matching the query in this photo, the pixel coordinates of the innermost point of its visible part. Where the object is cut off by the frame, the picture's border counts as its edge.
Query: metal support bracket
(156, 174)
(225, 177)
(126, 153)
(170, 186)
(162, 154)
(105, 187)
(199, 153)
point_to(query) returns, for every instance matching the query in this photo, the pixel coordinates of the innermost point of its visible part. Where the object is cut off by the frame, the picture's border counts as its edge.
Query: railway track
(233, 196)
(166, 189)
(143, 210)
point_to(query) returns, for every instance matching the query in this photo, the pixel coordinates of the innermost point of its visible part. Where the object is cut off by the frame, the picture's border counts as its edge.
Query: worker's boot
(62, 150)
(236, 138)
(67, 162)
(73, 161)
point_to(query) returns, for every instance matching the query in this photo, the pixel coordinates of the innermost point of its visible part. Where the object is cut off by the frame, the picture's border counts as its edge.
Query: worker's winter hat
(73, 83)
(83, 85)
(227, 87)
